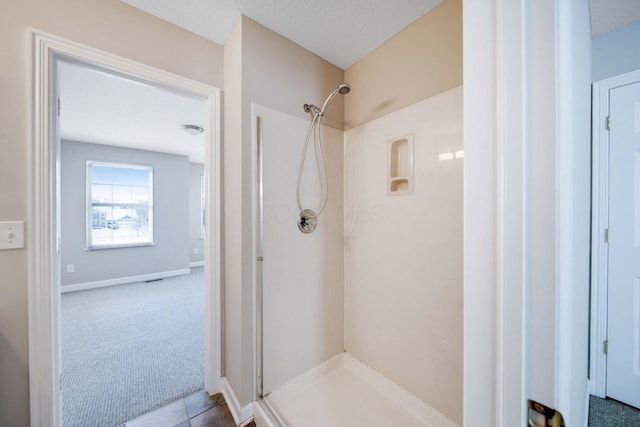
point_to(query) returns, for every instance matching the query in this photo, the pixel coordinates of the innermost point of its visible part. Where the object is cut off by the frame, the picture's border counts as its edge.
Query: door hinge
(260, 259)
(59, 107)
(608, 122)
(607, 234)
(605, 347)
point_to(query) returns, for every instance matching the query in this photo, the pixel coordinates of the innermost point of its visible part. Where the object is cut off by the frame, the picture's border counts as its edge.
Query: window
(120, 205)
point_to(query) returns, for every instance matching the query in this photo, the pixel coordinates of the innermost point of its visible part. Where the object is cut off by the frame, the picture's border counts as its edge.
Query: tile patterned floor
(197, 410)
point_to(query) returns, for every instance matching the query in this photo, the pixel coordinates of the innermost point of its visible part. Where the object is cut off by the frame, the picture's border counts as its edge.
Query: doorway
(131, 209)
(615, 311)
(45, 237)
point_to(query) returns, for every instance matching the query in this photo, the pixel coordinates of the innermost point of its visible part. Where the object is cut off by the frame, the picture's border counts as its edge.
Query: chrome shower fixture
(308, 219)
(312, 108)
(343, 89)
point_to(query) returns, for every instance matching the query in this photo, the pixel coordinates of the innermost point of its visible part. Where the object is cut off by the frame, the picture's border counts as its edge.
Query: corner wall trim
(241, 415)
(122, 280)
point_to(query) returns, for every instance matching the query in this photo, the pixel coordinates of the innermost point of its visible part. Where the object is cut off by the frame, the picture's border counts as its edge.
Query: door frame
(599, 223)
(43, 214)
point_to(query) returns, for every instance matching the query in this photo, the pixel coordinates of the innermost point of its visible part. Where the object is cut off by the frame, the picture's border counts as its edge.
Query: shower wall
(302, 280)
(403, 253)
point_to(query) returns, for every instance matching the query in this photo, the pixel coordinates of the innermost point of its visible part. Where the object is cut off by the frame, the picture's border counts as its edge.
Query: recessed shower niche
(400, 177)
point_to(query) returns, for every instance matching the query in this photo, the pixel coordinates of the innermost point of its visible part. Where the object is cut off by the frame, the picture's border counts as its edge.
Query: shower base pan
(342, 392)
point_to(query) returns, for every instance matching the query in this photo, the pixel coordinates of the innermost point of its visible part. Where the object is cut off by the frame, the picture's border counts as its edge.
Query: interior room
(407, 217)
(132, 233)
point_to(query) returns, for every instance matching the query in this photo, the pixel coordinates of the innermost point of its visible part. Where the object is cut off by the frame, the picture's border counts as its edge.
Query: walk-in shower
(308, 218)
(360, 322)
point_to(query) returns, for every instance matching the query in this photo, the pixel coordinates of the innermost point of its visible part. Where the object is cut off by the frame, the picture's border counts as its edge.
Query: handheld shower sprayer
(343, 89)
(307, 218)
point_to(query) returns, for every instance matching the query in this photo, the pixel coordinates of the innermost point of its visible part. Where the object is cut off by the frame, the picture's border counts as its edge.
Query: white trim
(481, 385)
(599, 222)
(122, 280)
(194, 264)
(586, 406)
(241, 415)
(256, 250)
(44, 263)
(260, 416)
(510, 284)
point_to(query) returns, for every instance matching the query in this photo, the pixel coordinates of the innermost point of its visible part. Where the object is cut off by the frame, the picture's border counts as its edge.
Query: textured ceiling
(609, 15)
(340, 31)
(356, 27)
(101, 108)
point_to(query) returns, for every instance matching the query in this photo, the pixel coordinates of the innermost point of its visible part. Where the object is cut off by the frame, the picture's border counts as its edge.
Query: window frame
(89, 245)
(203, 207)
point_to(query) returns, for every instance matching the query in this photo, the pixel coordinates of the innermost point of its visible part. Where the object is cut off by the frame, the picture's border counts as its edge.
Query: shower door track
(260, 400)
(258, 279)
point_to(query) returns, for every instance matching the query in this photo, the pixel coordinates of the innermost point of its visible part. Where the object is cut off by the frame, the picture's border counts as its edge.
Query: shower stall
(359, 300)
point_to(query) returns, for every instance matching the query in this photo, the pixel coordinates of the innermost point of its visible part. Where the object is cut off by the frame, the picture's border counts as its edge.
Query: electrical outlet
(195, 250)
(71, 268)
(11, 234)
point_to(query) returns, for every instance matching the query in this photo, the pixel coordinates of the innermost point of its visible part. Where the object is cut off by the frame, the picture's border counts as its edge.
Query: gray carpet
(129, 349)
(611, 413)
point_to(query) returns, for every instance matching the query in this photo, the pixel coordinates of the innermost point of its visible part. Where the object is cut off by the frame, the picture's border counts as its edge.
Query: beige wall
(265, 68)
(421, 61)
(284, 76)
(108, 25)
(232, 366)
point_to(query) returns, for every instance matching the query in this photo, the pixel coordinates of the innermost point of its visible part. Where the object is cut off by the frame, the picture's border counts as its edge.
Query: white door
(623, 334)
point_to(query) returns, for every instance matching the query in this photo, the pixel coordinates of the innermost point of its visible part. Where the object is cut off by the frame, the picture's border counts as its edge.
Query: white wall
(616, 52)
(403, 253)
(302, 284)
(196, 171)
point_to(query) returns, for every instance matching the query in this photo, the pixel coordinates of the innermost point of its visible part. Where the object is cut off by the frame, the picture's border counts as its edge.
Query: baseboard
(122, 280)
(397, 394)
(586, 415)
(241, 415)
(260, 416)
(196, 264)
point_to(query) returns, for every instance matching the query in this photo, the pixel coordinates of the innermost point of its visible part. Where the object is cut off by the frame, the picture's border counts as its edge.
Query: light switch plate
(11, 234)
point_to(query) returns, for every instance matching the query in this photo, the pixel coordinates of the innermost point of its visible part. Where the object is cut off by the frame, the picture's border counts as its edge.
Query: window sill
(132, 245)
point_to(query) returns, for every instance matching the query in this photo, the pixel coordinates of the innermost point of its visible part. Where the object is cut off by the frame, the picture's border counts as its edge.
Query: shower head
(344, 88)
